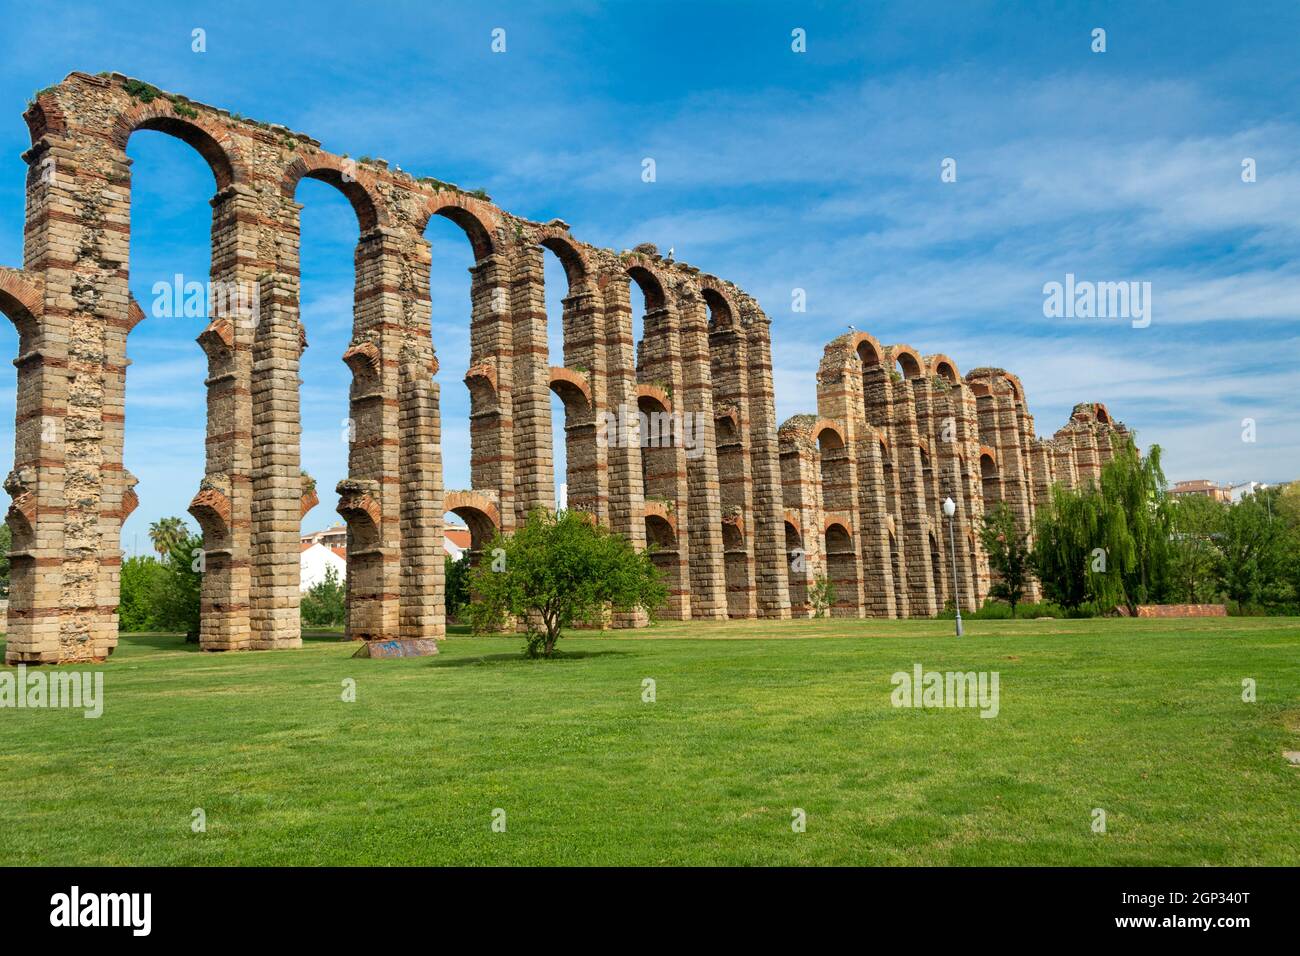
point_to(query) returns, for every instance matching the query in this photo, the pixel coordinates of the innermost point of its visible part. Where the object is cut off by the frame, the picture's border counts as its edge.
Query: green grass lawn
(1142, 718)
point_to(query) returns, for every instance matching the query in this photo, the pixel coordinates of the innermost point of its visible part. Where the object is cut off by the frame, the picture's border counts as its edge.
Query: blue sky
(778, 170)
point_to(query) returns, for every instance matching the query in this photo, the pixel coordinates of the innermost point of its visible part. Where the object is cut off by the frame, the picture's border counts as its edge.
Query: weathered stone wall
(918, 433)
(671, 441)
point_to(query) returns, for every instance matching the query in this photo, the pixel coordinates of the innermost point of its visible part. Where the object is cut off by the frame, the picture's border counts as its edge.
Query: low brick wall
(1182, 610)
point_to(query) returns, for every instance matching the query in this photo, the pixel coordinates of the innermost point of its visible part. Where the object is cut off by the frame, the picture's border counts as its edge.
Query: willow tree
(1107, 543)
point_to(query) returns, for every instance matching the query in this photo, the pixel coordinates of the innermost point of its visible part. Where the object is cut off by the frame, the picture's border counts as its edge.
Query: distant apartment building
(1202, 487)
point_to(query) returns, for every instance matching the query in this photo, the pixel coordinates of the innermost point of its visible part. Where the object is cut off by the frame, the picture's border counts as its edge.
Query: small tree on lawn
(1008, 550)
(557, 569)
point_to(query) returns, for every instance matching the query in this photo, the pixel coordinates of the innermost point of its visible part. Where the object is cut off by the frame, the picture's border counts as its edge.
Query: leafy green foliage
(166, 532)
(163, 595)
(1197, 521)
(456, 585)
(324, 603)
(1253, 546)
(6, 542)
(1107, 544)
(556, 570)
(1008, 549)
(821, 596)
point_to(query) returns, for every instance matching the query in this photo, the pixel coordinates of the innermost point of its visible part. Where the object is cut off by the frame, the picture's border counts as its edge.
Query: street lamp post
(949, 509)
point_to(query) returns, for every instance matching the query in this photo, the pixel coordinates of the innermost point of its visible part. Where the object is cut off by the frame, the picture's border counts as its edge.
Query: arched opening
(907, 363)
(937, 570)
(798, 563)
(945, 370)
(327, 241)
(166, 451)
(571, 344)
(661, 539)
(467, 403)
(868, 354)
(989, 481)
(896, 564)
(736, 563)
(841, 569)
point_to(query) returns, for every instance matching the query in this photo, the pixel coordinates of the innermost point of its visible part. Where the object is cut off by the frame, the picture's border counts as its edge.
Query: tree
(1107, 543)
(1136, 511)
(558, 569)
(1252, 549)
(6, 542)
(324, 603)
(166, 533)
(822, 596)
(1008, 549)
(1197, 520)
(182, 584)
(456, 585)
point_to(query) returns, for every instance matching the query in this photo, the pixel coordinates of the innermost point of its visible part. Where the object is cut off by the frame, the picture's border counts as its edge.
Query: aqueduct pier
(743, 523)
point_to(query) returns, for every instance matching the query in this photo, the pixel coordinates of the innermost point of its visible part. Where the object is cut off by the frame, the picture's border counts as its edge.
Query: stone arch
(908, 360)
(723, 313)
(841, 565)
(214, 144)
(573, 389)
(648, 280)
(665, 553)
(570, 253)
(480, 514)
(354, 181)
(654, 398)
(868, 348)
(21, 302)
(943, 367)
(481, 380)
(826, 426)
(479, 220)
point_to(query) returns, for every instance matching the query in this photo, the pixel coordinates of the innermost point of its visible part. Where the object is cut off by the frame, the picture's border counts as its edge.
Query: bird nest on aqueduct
(743, 521)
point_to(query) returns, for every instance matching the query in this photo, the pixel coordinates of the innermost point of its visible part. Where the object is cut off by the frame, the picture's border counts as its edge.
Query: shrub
(324, 603)
(558, 569)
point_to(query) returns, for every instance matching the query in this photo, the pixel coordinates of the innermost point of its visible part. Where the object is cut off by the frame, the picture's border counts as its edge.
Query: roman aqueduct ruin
(743, 521)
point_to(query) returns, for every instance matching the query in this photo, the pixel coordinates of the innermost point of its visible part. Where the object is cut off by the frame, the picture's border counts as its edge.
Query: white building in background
(315, 559)
(1239, 491)
(317, 555)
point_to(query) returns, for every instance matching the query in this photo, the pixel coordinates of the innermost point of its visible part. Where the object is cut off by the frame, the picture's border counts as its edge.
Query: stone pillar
(490, 380)
(728, 355)
(585, 441)
(708, 584)
(277, 469)
(223, 505)
(772, 576)
(626, 492)
(534, 456)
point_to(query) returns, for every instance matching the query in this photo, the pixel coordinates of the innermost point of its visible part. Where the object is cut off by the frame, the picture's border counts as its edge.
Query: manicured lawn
(1143, 719)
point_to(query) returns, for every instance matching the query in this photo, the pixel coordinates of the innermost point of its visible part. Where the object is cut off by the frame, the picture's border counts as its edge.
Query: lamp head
(949, 507)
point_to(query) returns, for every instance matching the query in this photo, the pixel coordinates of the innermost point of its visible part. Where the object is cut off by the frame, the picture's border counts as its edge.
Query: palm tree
(166, 534)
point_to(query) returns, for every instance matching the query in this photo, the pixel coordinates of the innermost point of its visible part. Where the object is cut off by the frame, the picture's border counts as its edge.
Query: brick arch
(989, 455)
(837, 520)
(659, 511)
(481, 380)
(909, 358)
(357, 185)
(478, 511)
(867, 347)
(792, 519)
(655, 394)
(648, 281)
(22, 304)
(823, 425)
(723, 311)
(943, 367)
(214, 143)
(570, 253)
(570, 385)
(45, 118)
(479, 220)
